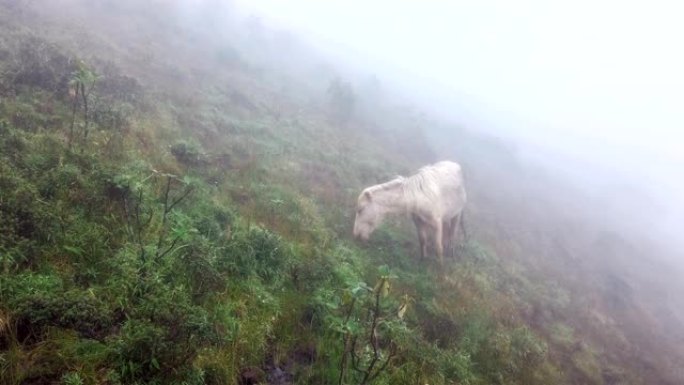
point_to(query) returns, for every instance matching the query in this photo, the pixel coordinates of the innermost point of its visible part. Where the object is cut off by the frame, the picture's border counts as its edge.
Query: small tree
(342, 100)
(80, 86)
(140, 214)
(369, 327)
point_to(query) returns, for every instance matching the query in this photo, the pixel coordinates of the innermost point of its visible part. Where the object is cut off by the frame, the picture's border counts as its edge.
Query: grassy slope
(258, 259)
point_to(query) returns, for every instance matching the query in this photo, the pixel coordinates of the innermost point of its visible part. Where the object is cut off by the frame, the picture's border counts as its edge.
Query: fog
(592, 90)
(567, 119)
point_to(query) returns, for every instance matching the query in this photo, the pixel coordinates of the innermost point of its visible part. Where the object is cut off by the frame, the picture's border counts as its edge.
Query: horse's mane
(422, 185)
(419, 189)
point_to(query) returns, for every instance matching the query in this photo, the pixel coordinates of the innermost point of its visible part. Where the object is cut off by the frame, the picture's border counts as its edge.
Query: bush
(74, 309)
(257, 252)
(38, 64)
(189, 153)
(163, 335)
(26, 222)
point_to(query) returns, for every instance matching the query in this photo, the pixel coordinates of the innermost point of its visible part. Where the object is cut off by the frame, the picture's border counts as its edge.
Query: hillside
(176, 202)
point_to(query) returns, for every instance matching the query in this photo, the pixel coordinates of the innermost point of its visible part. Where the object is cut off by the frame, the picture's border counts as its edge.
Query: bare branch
(173, 243)
(185, 194)
(355, 358)
(390, 355)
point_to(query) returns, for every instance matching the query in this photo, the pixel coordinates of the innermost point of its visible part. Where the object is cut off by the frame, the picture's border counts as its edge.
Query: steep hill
(176, 198)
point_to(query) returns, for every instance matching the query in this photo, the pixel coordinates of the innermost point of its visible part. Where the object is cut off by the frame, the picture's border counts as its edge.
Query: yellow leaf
(385, 287)
(402, 310)
(378, 286)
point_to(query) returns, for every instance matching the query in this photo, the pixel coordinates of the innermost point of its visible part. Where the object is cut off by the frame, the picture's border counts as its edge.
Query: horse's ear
(367, 195)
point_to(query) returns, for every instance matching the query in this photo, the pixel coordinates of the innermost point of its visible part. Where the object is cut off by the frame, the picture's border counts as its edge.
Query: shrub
(257, 252)
(73, 309)
(36, 63)
(162, 337)
(189, 153)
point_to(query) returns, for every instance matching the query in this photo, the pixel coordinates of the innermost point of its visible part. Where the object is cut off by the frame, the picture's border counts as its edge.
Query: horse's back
(447, 175)
(452, 189)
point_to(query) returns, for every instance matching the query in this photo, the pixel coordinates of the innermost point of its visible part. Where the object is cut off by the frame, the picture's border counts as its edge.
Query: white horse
(434, 197)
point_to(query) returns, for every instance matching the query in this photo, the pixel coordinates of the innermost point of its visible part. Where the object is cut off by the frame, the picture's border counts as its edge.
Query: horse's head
(368, 216)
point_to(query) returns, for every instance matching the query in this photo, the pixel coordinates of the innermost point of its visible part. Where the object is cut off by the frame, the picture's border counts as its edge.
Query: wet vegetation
(179, 213)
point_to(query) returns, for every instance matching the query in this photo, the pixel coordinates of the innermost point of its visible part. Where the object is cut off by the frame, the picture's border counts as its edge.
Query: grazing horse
(434, 198)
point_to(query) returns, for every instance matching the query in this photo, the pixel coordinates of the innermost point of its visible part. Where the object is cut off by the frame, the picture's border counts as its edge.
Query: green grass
(102, 282)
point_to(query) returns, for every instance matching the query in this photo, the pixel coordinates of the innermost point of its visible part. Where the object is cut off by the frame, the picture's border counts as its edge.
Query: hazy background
(591, 89)
(565, 118)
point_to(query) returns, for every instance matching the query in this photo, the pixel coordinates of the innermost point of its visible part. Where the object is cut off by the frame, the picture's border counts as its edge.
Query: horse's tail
(462, 224)
(461, 216)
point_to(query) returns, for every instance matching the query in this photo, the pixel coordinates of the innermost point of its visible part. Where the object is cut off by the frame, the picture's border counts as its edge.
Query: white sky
(603, 70)
(601, 80)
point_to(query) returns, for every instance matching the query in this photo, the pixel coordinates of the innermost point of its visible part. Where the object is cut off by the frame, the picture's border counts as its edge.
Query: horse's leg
(422, 235)
(455, 223)
(447, 233)
(461, 224)
(438, 241)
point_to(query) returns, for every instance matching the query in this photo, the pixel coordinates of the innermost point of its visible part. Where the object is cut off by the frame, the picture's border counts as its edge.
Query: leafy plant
(81, 85)
(71, 378)
(368, 329)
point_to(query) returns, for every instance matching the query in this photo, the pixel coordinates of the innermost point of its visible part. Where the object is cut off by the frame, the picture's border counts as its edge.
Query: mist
(180, 180)
(590, 91)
